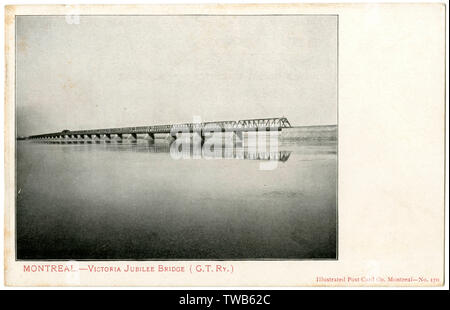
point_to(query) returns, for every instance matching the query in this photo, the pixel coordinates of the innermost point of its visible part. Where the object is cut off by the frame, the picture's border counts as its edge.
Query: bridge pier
(134, 136)
(203, 137)
(151, 136)
(238, 138)
(108, 136)
(200, 135)
(119, 135)
(171, 138)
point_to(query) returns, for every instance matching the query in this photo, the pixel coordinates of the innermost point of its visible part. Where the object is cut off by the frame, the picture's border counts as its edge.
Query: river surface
(135, 200)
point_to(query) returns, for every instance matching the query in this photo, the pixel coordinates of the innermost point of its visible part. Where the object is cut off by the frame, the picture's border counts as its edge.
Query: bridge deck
(234, 126)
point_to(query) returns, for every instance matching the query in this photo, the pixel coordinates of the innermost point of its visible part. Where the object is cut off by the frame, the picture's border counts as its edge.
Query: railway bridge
(174, 130)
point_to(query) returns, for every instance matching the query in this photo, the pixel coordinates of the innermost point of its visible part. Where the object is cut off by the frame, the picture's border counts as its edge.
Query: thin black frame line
(179, 259)
(15, 137)
(168, 15)
(30, 260)
(337, 137)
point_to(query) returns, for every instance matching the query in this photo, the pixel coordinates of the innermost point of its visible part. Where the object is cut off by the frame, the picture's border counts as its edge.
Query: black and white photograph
(176, 137)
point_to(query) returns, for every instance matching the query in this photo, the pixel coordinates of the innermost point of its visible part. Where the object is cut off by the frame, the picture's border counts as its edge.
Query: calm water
(87, 200)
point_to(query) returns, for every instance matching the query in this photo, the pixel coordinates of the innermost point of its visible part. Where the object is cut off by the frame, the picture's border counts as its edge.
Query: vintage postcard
(225, 145)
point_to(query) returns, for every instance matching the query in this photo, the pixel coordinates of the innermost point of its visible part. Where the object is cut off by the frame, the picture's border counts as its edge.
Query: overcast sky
(115, 71)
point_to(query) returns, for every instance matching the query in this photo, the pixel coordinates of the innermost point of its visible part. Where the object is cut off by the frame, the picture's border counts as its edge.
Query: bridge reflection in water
(216, 151)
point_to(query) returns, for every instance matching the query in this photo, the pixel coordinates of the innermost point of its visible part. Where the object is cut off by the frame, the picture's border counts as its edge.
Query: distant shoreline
(317, 132)
(308, 126)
